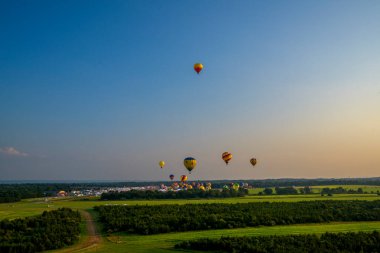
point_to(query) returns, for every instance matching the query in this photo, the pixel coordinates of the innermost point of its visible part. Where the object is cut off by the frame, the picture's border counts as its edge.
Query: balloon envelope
(161, 163)
(226, 156)
(190, 163)
(235, 186)
(183, 178)
(171, 176)
(253, 161)
(198, 67)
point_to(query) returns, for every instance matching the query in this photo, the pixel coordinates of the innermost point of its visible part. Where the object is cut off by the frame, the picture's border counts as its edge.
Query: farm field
(36, 206)
(123, 242)
(162, 243)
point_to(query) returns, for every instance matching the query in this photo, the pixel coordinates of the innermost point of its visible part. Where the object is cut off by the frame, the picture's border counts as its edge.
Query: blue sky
(106, 89)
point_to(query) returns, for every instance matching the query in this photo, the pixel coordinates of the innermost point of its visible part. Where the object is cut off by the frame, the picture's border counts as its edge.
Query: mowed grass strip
(164, 243)
(32, 207)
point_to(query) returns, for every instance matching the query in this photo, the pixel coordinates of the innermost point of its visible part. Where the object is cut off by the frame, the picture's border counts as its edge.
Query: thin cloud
(11, 151)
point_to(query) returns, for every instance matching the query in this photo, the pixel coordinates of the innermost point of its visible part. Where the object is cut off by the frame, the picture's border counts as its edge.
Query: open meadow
(30, 207)
(124, 242)
(160, 243)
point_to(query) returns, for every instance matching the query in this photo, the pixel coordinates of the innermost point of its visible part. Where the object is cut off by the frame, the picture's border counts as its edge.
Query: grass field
(164, 242)
(36, 206)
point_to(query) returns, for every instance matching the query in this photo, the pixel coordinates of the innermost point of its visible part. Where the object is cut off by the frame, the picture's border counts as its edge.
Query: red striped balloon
(226, 156)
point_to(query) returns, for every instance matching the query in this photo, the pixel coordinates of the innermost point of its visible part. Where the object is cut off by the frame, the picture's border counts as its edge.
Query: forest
(50, 230)
(327, 243)
(175, 218)
(188, 194)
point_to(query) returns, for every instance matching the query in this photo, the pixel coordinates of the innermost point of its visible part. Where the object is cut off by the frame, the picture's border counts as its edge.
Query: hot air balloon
(235, 186)
(253, 161)
(183, 178)
(190, 163)
(225, 187)
(171, 177)
(202, 188)
(226, 156)
(161, 163)
(198, 67)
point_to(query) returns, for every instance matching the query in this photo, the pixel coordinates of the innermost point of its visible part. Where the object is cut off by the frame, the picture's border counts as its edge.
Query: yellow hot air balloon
(162, 164)
(235, 186)
(253, 161)
(198, 67)
(190, 163)
(202, 188)
(183, 178)
(226, 156)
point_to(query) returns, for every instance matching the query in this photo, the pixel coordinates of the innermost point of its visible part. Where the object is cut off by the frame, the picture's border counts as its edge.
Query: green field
(164, 242)
(36, 206)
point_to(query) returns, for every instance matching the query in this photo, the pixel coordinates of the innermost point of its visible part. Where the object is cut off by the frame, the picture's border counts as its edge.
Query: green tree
(268, 191)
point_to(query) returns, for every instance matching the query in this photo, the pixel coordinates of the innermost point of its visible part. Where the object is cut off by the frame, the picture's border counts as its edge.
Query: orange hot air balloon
(198, 67)
(253, 161)
(226, 156)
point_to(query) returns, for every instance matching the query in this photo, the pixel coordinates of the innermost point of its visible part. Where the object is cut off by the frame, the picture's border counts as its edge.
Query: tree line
(16, 192)
(176, 218)
(327, 242)
(289, 182)
(188, 194)
(341, 190)
(12, 192)
(290, 190)
(50, 230)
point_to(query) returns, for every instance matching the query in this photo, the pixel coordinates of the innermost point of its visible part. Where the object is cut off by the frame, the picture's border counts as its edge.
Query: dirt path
(93, 237)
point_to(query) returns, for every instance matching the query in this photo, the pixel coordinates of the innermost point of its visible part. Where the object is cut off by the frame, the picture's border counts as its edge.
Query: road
(93, 238)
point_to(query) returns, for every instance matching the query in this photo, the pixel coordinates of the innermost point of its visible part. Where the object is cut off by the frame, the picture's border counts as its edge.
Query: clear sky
(106, 89)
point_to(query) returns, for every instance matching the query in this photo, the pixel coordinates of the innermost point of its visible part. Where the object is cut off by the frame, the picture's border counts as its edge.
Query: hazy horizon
(105, 90)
